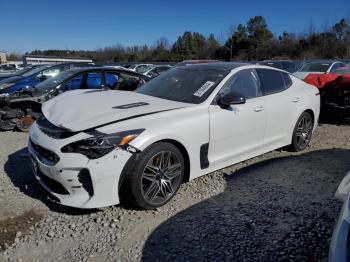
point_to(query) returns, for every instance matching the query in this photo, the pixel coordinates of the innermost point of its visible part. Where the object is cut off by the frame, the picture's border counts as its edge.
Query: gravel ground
(276, 207)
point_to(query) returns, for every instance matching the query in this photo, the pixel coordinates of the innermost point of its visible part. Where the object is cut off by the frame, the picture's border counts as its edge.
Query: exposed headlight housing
(101, 144)
(6, 85)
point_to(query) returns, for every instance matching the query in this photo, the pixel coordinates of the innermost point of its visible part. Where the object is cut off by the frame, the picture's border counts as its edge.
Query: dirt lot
(279, 206)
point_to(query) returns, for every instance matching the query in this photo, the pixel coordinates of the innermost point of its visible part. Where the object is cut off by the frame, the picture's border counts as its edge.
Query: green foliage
(252, 41)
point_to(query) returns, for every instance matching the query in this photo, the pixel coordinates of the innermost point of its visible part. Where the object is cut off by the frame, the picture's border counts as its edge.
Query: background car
(19, 110)
(287, 65)
(346, 62)
(31, 78)
(154, 71)
(139, 67)
(342, 70)
(9, 68)
(196, 61)
(317, 67)
(19, 72)
(139, 147)
(335, 95)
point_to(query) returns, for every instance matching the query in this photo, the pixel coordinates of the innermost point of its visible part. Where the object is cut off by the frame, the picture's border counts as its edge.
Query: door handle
(258, 108)
(296, 99)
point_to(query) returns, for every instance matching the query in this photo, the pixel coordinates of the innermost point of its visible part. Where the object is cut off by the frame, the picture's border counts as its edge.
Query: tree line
(251, 41)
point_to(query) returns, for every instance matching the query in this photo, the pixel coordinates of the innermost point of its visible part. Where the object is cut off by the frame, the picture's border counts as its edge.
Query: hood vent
(132, 105)
(96, 91)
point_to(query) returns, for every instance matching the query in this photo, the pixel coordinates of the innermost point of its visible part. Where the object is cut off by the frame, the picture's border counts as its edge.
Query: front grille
(53, 131)
(52, 184)
(43, 153)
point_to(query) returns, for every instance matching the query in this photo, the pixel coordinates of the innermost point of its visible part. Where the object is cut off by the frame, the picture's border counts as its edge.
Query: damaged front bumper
(73, 179)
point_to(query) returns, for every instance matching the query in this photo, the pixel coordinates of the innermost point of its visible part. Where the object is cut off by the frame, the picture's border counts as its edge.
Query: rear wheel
(155, 177)
(302, 132)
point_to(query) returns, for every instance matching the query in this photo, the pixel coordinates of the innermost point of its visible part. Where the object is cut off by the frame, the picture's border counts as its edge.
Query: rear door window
(112, 80)
(75, 83)
(273, 81)
(94, 80)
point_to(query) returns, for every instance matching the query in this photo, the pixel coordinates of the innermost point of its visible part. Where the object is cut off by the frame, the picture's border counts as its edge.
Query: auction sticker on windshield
(204, 88)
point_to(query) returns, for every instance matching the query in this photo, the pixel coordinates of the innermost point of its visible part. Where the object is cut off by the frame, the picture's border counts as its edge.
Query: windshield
(34, 71)
(315, 67)
(183, 84)
(54, 81)
(342, 72)
(144, 69)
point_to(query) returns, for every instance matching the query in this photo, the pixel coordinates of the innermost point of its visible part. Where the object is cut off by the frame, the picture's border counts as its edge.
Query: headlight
(101, 144)
(6, 85)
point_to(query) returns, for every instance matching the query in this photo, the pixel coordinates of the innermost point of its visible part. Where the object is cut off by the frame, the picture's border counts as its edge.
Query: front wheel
(302, 132)
(156, 176)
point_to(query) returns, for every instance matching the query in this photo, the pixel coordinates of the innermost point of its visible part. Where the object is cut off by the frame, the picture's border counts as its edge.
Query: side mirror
(231, 98)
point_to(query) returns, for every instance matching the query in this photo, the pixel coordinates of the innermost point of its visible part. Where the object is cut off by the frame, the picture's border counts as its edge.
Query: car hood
(84, 109)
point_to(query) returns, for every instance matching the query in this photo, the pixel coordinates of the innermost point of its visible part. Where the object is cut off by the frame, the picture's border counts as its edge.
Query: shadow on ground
(19, 169)
(277, 210)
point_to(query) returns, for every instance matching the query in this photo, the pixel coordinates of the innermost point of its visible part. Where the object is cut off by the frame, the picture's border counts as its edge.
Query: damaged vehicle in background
(95, 149)
(335, 95)
(33, 77)
(20, 109)
(317, 67)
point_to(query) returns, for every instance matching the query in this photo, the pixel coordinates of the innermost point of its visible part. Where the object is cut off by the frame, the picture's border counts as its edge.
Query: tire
(150, 182)
(302, 132)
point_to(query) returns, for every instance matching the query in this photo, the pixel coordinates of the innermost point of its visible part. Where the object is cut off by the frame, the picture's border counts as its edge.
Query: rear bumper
(74, 180)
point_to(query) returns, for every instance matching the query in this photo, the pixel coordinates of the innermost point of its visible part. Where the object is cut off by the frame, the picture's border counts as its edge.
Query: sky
(91, 24)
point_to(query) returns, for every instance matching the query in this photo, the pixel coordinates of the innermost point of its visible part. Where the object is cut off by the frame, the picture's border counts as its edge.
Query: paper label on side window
(204, 88)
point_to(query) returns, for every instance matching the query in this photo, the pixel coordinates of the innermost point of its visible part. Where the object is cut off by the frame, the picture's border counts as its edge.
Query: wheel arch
(184, 153)
(311, 112)
(128, 168)
(308, 110)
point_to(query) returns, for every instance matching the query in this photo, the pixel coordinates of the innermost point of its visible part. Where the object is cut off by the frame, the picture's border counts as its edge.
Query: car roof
(216, 65)
(78, 70)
